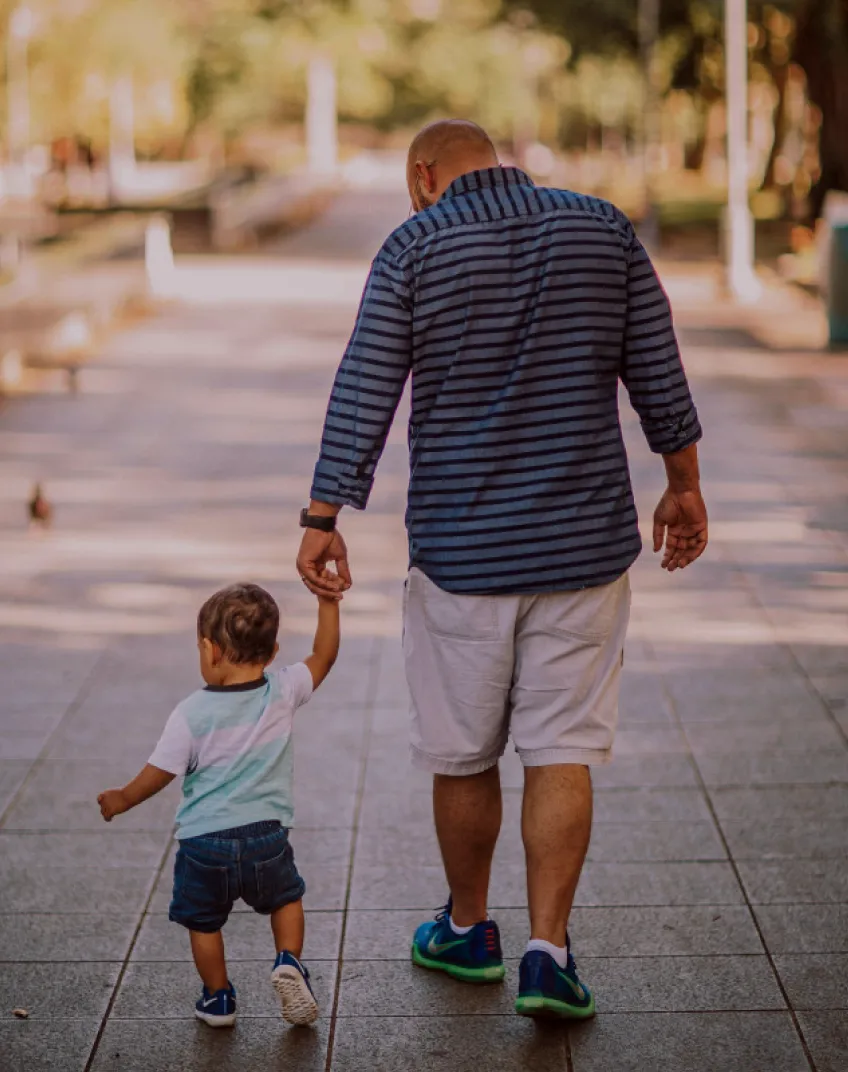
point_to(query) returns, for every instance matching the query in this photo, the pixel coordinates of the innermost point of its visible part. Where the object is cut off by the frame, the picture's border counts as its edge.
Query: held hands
(112, 802)
(680, 521)
(317, 549)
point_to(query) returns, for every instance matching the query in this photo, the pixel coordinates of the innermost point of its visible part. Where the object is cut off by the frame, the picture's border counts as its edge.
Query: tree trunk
(821, 49)
(780, 77)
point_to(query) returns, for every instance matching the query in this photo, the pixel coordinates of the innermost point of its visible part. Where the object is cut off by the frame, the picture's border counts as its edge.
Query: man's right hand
(680, 522)
(316, 550)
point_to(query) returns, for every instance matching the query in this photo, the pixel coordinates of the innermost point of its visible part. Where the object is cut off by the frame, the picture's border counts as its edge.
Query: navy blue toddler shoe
(218, 1009)
(290, 980)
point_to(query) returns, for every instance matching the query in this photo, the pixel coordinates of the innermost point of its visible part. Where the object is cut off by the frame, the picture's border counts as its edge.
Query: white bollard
(159, 258)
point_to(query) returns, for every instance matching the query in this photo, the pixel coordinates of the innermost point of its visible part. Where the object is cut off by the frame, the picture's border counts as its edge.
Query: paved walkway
(713, 913)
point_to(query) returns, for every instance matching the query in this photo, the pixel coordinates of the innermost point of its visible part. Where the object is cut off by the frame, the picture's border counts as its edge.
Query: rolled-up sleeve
(367, 389)
(651, 369)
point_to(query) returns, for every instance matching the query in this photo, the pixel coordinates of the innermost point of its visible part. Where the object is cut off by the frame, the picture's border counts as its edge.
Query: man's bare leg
(468, 810)
(556, 824)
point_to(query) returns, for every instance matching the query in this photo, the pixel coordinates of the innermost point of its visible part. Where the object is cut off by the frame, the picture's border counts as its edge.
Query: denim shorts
(254, 863)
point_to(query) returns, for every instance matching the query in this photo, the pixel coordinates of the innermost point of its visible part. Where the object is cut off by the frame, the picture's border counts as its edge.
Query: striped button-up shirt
(517, 309)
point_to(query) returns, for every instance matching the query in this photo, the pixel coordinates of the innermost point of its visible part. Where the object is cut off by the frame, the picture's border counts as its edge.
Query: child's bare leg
(288, 925)
(208, 953)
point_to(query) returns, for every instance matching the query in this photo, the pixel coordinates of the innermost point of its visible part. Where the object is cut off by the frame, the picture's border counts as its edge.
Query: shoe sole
(216, 1021)
(493, 974)
(551, 1009)
(297, 1003)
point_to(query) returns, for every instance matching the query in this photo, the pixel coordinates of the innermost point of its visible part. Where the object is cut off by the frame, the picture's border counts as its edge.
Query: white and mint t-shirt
(232, 744)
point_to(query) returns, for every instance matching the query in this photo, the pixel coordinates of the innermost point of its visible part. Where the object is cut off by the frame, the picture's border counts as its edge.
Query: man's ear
(426, 176)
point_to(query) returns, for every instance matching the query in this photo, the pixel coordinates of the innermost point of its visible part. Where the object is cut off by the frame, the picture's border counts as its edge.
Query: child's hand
(335, 580)
(112, 802)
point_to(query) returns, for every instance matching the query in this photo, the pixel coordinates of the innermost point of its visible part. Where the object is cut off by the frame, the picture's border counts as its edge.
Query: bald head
(440, 153)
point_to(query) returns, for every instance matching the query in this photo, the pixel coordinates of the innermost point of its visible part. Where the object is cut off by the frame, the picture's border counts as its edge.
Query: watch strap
(316, 521)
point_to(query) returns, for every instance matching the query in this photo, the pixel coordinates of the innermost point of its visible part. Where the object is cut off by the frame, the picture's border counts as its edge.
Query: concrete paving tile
(152, 991)
(74, 889)
(646, 771)
(796, 881)
(798, 837)
(624, 842)
(681, 984)
(806, 802)
(395, 886)
(57, 991)
(107, 849)
(63, 796)
(604, 884)
(722, 738)
(650, 805)
(447, 1044)
(45, 1046)
(12, 774)
(190, 1046)
(74, 937)
(815, 981)
(826, 1034)
(247, 936)
(703, 696)
(774, 768)
(418, 992)
(799, 928)
(688, 1042)
(650, 740)
(642, 698)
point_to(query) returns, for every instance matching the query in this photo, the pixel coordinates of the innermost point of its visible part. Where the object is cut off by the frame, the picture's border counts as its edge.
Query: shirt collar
(486, 178)
(243, 686)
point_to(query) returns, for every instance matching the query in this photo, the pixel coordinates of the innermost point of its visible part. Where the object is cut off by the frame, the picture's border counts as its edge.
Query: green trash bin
(837, 285)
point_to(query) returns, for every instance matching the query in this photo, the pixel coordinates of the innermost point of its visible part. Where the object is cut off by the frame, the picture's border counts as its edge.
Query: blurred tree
(821, 48)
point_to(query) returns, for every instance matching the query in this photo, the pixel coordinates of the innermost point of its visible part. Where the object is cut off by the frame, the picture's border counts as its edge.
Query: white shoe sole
(216, 1021)
(298, 1005)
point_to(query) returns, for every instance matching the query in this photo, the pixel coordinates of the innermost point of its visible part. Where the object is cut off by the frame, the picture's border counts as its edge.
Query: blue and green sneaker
(546, 990)
(475, 957)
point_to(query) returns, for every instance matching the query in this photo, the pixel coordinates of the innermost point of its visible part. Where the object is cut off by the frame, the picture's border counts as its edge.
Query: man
(517, 309)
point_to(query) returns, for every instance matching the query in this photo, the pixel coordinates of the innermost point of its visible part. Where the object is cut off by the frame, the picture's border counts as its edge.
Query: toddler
(231, 744)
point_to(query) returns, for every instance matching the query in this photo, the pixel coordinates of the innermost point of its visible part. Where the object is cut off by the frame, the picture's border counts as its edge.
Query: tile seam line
(166, 852)
(710, 806)
(82, 695)
(369, 707)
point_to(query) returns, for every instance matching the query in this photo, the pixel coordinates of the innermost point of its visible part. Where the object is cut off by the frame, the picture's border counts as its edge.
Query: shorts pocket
(454, 617)
(277, 881)
(590, 614)
(200, 890)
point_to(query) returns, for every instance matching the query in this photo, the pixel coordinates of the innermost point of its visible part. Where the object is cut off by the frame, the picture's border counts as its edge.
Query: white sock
(459, 930)
(560, 955)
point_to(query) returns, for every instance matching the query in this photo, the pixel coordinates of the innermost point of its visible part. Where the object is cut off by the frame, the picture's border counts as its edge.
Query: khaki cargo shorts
(544, 669)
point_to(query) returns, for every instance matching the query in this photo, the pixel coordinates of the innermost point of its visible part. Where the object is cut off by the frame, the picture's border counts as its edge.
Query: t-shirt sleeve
(296, 683)
(173, 753)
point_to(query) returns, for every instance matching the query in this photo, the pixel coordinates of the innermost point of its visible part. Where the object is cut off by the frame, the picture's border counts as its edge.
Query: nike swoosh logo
(435, 948)
(210, 1001)
(577, 988)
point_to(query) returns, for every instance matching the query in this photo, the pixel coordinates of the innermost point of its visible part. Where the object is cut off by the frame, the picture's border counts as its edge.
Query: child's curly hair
(243, 620)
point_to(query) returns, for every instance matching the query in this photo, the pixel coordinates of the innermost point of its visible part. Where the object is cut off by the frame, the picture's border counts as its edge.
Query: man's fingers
(659, 535)
(316, 577)
(344, 571)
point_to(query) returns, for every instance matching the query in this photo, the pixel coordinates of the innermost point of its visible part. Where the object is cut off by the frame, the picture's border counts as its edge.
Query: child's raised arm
(325, 647)
(147, 783)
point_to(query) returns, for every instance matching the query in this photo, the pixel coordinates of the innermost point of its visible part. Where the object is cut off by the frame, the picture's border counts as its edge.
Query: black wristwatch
(316, 521)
